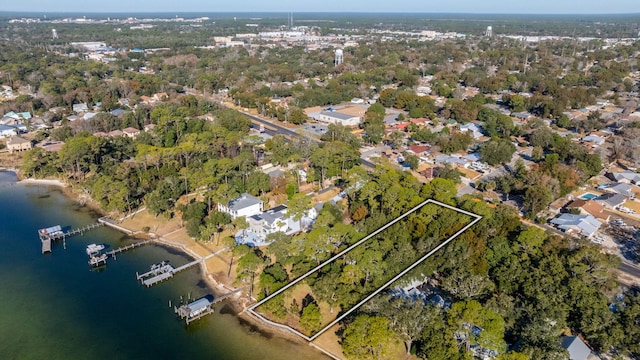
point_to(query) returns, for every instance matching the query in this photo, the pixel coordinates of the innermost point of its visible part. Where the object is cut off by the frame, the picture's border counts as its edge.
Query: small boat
(94, 249)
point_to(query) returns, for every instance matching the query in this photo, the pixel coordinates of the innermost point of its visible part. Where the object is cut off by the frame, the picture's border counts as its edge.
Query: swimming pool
(588, 196)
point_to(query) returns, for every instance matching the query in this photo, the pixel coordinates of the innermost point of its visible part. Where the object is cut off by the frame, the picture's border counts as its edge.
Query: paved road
(277, 129)
(630, 268)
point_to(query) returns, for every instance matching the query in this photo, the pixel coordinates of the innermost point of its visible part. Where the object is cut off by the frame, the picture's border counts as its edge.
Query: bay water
(54, 306)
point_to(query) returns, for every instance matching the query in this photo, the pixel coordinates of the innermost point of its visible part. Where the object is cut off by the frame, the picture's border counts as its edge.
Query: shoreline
(239, 301)
(50, 182)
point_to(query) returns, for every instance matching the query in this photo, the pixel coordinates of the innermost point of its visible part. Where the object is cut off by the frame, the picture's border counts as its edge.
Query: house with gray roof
(475, 129)
(623, 189)
(576, 348)
(7, 131)
(585, 225)
(628, 177)
(245, 205)
(77, 108)
(452, 160)
(611, 200)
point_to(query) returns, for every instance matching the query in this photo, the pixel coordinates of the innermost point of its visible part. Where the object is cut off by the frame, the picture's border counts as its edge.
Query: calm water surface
(53, 306)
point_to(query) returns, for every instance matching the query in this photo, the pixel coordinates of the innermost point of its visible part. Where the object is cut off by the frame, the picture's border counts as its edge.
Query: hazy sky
(459, 6)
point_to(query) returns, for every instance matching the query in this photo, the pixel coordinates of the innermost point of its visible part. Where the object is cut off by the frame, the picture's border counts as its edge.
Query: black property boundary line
(252, 308)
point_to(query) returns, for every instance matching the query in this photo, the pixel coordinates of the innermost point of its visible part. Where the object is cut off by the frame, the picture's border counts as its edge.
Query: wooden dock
(163, 271)
(201, 307)
(158, 273)
(98, 260)
(46, 245)
(113, 253)
(51, 234)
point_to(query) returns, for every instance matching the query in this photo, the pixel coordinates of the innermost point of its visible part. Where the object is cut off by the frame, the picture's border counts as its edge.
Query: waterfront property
(196, 309)
(245, 205)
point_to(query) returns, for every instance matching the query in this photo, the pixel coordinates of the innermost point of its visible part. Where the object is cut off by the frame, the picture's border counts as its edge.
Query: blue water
(54, 306)
(588, 196)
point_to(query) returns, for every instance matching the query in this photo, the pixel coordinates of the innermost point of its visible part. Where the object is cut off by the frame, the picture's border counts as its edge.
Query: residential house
(160, 96)
(476, 130)
(585, 225)
(16, 143)
(419, 150)
(522, 116)
(78, 108)
(89, 115)
(452, 160)
(590, 207)
(131, 132)
(620, 188)
(51, 146)
(271, 221)
(19, 116)
(5, 120)
(149, 127)
(611, 200)
(245, 205)
(576, 348)
(115, 133)
(7, 131)
(627, 177)
(594, 140)
(118, 112)
(38, 123)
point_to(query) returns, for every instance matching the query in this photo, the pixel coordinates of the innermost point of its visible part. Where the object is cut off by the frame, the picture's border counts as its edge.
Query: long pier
(163, 271)
(113, 253)
(48, 235)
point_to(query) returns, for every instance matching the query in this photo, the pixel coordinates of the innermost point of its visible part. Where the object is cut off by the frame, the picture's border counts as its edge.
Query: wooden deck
(46, 246)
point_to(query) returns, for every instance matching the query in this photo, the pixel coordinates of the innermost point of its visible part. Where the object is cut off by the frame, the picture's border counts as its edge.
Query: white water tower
(489, 32)
(54, 34)
(339, 57)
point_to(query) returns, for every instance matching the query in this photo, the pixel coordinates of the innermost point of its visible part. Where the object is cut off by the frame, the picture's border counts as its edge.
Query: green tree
(311, 319)
(368, 337)
(497, 151)
(471, 313)
(536, 198)
(412, 160)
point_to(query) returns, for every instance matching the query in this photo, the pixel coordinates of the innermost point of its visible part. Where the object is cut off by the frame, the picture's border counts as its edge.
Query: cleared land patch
(326, 294)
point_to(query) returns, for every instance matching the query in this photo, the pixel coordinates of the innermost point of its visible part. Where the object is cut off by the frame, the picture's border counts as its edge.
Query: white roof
(244, 201)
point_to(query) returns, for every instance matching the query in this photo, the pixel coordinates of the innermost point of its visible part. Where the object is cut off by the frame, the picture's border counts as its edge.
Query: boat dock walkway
(163, 271)
(113, 253)
(48, 235)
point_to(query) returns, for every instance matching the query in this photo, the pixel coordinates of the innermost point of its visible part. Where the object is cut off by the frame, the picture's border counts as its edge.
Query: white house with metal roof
(336, 117)
(245, 205)
(585, 225)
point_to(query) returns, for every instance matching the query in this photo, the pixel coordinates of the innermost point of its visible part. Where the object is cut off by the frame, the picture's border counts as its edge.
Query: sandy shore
(53, 182)
(164, 236)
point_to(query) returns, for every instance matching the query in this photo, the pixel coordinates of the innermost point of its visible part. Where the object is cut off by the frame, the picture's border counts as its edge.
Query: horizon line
(311, 12)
